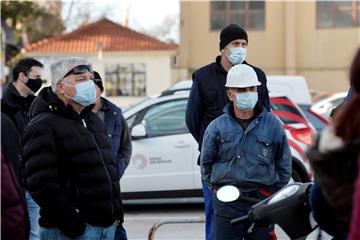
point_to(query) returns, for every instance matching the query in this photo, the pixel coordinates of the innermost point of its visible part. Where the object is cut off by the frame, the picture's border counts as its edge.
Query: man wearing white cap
(245, 147)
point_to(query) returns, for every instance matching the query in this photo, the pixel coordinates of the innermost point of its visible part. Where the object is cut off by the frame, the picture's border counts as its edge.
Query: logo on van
(140, 161)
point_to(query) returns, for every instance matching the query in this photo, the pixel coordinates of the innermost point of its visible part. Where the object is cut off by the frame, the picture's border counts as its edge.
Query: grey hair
(61, 68)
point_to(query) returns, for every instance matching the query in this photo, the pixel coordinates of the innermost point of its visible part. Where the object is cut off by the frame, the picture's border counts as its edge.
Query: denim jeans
(91, 233)
(120, 233)
(209, 212)
(224, 212)
(33, 210)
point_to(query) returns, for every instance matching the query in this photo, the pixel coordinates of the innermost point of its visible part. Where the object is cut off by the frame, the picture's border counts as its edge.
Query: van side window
(166, 118)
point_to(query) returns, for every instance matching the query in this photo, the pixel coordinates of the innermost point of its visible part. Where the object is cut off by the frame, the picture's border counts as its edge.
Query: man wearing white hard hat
(208, 97)
(245, 147)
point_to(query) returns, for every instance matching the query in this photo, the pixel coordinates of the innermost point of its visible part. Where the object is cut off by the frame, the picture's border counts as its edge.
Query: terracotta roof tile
(113, 36)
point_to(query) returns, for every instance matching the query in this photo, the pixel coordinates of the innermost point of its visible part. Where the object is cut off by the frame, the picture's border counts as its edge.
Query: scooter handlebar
(239, 220)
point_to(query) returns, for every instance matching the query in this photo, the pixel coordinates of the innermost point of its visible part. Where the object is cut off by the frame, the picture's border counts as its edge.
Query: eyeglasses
(96, 79)
(80, 69)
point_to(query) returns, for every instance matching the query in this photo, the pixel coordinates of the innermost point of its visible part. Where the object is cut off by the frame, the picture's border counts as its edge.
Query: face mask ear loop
(67, 96)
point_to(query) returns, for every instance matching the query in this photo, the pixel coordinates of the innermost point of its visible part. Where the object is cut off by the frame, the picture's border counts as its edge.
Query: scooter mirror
(228, 193)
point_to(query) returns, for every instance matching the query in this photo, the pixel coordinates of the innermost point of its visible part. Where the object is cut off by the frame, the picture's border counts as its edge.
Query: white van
(294, 87)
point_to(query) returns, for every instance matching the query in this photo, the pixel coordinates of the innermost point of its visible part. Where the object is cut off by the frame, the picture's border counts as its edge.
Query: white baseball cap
(241, 76)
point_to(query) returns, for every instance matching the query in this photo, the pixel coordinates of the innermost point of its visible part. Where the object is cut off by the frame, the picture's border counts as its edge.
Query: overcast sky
(143, 14)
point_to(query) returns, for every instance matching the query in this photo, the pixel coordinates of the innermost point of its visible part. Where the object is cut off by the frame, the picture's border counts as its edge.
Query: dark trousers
(224, 212)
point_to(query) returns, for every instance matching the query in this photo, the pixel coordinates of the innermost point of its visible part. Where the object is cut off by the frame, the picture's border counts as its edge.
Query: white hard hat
(241, 76)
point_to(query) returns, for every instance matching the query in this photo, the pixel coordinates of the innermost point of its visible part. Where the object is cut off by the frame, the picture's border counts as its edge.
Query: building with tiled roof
(132, 64)
(112, 36)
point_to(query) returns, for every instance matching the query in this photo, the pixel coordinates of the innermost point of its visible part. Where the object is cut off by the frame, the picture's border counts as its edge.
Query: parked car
(317, 96)
(318, 121)
(325, 106)
(164, 158)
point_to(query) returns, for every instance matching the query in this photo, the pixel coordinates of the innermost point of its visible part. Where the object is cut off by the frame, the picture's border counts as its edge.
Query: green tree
(33, 19)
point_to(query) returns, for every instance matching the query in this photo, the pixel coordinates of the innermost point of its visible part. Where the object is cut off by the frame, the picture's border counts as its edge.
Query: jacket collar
(104, 105)
(48, 101)
(259, 110)
(219, 67)
(13, 99)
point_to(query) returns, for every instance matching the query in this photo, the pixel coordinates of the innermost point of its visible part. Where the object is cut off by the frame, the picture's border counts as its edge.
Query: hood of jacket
(48, 101)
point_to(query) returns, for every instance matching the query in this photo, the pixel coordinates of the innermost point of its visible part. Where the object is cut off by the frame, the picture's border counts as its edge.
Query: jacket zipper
(84, 123)
(104, 165)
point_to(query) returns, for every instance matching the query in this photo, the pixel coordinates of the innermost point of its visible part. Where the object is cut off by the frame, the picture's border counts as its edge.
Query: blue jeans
(224, 212)
(91, 233)
(120, 233)
(209, 212)
(33, 210)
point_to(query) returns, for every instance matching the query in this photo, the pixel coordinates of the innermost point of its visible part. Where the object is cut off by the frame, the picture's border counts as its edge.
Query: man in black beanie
(208, 95)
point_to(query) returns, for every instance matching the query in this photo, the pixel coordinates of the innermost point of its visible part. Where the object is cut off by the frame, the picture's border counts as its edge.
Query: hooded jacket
(70, 170)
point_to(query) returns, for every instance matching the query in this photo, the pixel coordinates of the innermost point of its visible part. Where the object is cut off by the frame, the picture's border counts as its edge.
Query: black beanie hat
(98, 81)
(231, 33)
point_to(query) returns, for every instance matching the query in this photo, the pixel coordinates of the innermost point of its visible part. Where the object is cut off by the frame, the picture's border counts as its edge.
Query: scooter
(289, 208)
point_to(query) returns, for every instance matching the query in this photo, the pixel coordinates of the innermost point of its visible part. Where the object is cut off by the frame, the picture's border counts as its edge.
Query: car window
(130, 120)
(336, 102)
(166, 118)
(314, 119)
(136, 104)
(281, 105)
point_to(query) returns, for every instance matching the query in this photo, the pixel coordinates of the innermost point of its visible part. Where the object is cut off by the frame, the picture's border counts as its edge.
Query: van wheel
(296, 176)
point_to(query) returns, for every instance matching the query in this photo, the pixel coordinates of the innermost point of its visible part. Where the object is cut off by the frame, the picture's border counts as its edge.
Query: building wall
(323, 56)
(290, 44)
(199, 45)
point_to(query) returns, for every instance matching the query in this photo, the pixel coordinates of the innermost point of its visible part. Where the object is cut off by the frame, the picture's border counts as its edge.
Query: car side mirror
(138, 131)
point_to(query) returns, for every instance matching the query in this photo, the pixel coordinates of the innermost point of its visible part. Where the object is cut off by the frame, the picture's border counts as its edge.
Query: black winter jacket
(69, 167)
(14, 216)
(10, 144)
(16, 107)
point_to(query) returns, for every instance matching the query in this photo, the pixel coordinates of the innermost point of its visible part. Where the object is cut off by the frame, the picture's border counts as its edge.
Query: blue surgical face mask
(237, 55)
(85, 93)
(246, 101)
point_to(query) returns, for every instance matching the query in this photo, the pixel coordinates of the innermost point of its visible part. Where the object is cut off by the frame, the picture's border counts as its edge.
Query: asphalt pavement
(140, 218)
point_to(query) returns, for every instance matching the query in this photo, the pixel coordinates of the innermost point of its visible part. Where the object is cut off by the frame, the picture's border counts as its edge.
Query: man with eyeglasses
(69, 164)
(15, 103)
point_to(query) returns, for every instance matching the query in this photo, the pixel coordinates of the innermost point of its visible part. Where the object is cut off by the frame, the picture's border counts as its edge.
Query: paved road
(140, 218)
